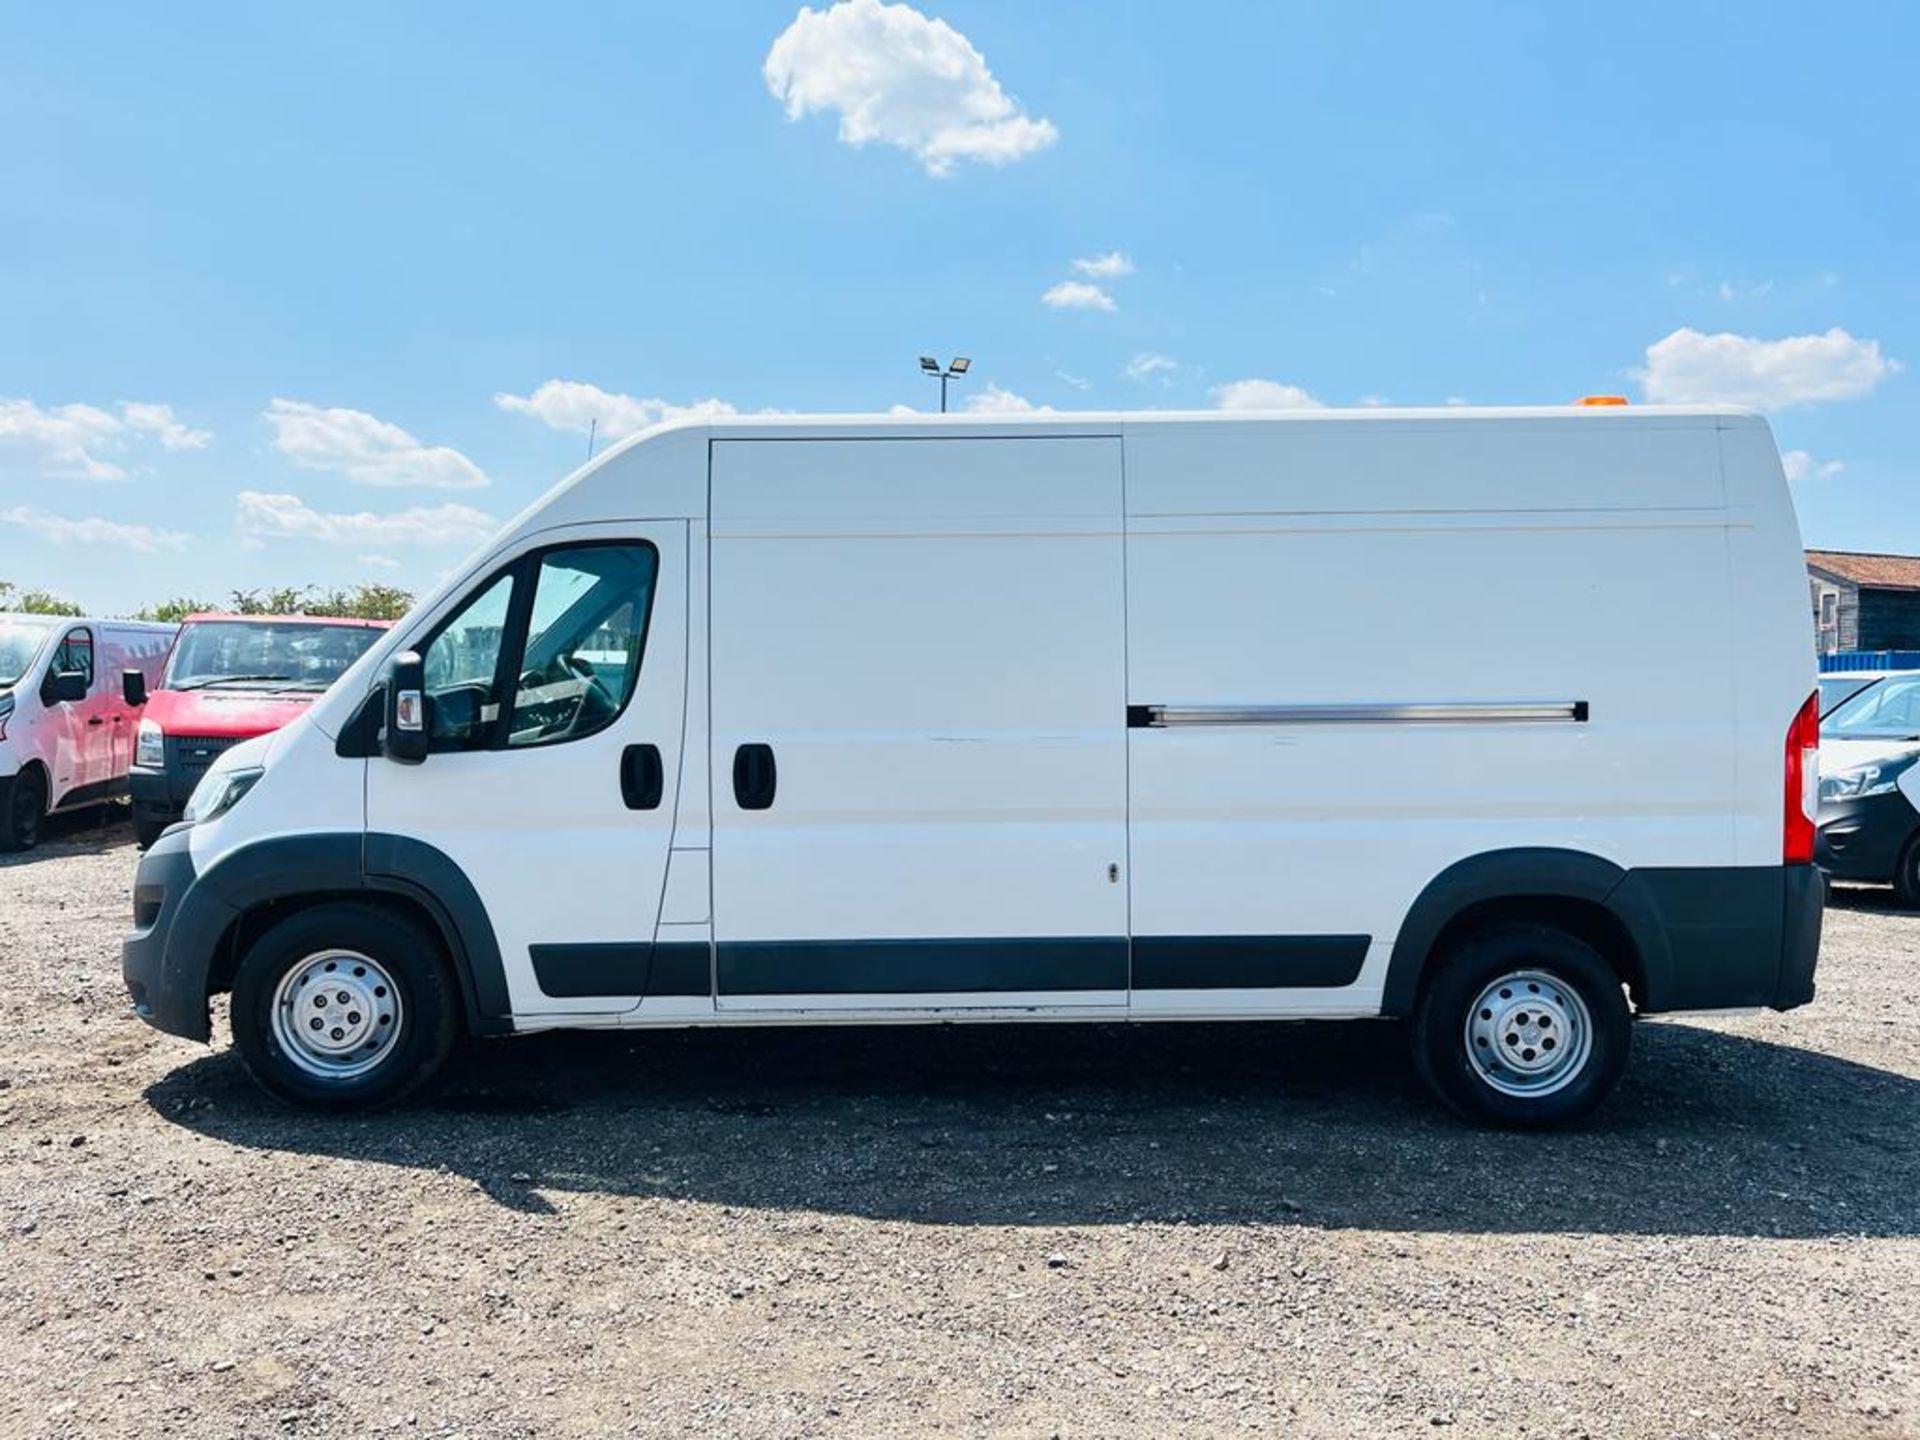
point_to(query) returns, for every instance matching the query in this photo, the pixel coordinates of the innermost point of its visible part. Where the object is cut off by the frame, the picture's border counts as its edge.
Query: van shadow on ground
(1319, 1124)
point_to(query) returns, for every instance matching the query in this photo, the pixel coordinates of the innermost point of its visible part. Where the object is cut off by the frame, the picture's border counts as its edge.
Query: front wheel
(1906, 874)
(23, 805)
(344, 1007)
(1524, 1026)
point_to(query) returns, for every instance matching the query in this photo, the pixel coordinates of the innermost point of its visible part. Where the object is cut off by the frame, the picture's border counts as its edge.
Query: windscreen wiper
(228, 680)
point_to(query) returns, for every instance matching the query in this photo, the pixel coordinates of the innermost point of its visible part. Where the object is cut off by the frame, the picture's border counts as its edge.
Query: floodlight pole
(952, 370)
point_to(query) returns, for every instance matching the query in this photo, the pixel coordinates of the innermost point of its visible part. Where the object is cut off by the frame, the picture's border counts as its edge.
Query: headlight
(219, 792)
(1875, 778)
(6, 712)
(150, 746)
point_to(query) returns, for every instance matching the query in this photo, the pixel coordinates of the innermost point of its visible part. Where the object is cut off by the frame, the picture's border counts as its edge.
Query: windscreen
(20, 638)
(264, 654)
(1887, 710)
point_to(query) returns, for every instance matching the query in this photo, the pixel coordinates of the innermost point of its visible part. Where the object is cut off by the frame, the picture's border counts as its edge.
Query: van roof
(1072, 422)
(35, 617)
(200, 615)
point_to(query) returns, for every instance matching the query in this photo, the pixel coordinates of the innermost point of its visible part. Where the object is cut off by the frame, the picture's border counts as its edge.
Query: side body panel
(927, 637)
(1393, 564)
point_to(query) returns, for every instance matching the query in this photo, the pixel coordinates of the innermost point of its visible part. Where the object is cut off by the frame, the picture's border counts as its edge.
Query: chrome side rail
(1472, 712)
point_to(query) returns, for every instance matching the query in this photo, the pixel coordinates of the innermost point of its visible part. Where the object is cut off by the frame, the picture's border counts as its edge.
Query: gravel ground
(997, 1231)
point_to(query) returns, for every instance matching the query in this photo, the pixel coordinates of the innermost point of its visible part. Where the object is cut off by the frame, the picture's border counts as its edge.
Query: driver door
(80, 739)
(556, 694)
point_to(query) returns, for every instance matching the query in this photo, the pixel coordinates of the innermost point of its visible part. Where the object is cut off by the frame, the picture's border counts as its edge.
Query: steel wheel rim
(1529, 1034)
(337, 1014)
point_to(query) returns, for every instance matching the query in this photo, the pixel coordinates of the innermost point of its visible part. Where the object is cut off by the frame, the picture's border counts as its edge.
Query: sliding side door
(919, 744)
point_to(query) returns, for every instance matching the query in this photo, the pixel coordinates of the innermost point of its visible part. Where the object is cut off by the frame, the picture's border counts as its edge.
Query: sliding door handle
(754, 777)
(643, 779)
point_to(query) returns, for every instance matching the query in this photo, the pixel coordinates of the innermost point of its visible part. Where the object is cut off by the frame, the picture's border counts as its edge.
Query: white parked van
(66, 731)
(1149, 717)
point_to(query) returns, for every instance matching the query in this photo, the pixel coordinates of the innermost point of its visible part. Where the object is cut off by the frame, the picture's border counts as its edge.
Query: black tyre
(23, 806)
(1906, 874)
(1523, 1026)
(344, 1007)
(148, 828)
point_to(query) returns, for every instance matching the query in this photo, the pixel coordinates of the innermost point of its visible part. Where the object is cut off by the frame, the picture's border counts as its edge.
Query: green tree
(172, 612)
(35, 602)
(368, 601)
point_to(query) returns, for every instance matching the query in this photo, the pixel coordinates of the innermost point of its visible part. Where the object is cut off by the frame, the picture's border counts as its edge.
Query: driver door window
(584, 639)
(569, 623)
(75, 654)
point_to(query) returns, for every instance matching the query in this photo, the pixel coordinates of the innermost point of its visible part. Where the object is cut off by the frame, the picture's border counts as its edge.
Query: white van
(1149, 717)
(66, 731)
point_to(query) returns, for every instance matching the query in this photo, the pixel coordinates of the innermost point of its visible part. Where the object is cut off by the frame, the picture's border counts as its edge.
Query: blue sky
(280, 287)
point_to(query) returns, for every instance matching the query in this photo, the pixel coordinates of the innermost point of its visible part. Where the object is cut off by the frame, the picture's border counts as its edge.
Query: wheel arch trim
(1530, 873)
(330, 864)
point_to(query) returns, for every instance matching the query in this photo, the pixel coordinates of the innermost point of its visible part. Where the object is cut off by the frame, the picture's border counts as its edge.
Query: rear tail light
(1803, 784)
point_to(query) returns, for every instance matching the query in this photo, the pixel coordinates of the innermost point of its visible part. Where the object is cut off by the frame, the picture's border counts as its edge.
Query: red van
(229, 678)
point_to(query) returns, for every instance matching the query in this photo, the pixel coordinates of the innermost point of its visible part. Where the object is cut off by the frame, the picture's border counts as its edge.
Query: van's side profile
(66, 729)
(1152, 717)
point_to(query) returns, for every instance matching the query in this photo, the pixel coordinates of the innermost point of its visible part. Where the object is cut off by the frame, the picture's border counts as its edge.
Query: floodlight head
(959, 366)
(929, 364)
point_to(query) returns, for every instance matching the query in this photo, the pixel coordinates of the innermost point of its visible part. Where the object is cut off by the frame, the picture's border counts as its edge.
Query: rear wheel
(23, 807)
(1906, 874)
(1524, 1026)
(344, 1007)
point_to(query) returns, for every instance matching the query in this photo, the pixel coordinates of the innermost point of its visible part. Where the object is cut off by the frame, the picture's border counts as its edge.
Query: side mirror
(404, 737)
(133, 687)
(64, 687)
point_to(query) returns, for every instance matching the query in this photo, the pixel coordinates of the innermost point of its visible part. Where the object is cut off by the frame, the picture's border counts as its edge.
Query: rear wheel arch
(1568, 890)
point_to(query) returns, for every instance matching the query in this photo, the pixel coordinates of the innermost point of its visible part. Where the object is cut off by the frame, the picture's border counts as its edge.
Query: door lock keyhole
(1113, 874)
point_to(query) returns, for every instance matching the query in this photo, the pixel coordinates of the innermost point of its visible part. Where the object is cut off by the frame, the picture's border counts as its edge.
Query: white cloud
(1146, 365)
(1688, 366)
(1110, 266)
(575, 405)
(74, 441)
(1745, 289)
(62, 440)
(995, 401)
(1802, 466)
(1263, 395)
(1077, 295)
(1074, 380)
(60, 530)
(380, 562)
(901, 78)
(365, 448)
(1374, 402)
(261, 516)
(160, 422)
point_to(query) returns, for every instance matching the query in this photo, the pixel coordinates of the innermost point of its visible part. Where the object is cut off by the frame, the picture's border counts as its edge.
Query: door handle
(643, 779)
(754, 777)
(96, 720)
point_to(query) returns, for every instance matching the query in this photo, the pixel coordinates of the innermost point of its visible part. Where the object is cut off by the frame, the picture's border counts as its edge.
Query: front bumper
(177, 926)
(153, 794)
(1862, 839)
